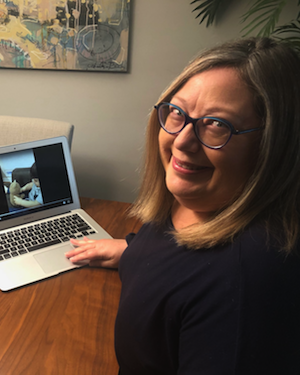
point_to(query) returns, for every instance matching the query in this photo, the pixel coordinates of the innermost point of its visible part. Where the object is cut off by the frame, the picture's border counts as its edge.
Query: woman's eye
(176, 114)
(215, 127)
(175, 111)
(215, 123)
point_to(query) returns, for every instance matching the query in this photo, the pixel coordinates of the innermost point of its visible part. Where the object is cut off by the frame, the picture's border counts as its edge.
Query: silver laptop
(39, 212)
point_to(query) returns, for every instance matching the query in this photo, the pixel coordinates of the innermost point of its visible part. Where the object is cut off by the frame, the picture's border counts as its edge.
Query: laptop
(39, 212)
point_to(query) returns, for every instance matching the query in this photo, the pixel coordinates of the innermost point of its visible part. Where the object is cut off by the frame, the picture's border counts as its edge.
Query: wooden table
(65, 325)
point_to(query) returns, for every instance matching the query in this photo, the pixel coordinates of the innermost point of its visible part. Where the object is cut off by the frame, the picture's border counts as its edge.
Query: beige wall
(109, 110)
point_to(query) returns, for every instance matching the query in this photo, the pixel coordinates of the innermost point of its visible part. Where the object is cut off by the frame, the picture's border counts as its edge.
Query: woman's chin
(185, 189)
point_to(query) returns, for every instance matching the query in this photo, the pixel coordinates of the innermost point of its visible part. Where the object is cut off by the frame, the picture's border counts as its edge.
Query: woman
(210, 284)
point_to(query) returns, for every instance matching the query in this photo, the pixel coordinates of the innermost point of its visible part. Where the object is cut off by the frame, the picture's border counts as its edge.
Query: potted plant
(261, 18)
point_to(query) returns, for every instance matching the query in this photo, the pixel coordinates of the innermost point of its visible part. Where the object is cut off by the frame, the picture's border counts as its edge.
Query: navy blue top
(230, 310)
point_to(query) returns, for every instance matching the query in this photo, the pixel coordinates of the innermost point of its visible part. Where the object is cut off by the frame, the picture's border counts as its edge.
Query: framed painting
(84, 35)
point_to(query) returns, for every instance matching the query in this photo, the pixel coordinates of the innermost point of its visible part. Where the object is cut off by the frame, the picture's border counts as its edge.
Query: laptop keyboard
(39, 236)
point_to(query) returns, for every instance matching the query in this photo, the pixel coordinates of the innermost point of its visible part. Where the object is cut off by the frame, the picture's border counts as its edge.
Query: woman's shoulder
(265, 267)
(259, 240)
(255, 248)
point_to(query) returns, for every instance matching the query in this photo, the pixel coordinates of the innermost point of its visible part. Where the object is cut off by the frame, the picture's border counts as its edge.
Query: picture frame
(79, 35)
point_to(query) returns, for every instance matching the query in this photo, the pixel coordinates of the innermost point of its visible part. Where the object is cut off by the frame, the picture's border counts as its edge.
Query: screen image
(33, 179)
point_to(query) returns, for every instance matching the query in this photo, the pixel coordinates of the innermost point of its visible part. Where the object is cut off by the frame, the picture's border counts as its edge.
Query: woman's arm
(99, 253)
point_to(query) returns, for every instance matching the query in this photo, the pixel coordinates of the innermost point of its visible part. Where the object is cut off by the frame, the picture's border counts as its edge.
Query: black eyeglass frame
(193, 121)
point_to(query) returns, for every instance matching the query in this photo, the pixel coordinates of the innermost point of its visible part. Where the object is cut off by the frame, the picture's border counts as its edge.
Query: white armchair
(15, 130)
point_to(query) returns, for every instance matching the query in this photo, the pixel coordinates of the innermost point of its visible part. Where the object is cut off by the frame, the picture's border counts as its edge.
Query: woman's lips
(185, 167)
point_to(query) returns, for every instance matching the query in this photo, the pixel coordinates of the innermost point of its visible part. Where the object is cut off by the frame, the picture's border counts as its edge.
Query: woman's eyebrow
(226, 111)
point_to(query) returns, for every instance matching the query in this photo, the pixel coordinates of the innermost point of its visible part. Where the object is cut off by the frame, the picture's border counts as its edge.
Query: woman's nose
(187, 140)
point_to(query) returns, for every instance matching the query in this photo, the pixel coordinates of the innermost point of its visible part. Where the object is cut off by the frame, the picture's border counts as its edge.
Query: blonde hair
(271, 72)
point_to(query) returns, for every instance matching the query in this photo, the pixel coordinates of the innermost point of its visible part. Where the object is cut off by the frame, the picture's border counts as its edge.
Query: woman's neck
(183, 217)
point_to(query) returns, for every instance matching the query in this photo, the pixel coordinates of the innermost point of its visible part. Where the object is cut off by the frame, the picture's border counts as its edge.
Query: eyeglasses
(212, 132)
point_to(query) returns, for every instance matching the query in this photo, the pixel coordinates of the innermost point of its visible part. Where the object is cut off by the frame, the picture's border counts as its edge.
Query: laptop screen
(33, 180)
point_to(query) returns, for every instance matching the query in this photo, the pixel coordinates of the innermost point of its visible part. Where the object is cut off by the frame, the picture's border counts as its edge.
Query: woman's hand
(97, 253)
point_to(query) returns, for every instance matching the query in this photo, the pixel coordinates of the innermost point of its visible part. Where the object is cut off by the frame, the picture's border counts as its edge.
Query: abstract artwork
(86, 35)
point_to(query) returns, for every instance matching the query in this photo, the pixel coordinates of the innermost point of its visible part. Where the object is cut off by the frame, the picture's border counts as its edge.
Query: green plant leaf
(261, 17)
(294, 43)
(291, 27)
(263, 14)
(289, 34)
(207, 8)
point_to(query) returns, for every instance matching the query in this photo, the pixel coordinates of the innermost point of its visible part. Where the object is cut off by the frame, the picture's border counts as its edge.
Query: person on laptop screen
(34, 191)
(211, 282)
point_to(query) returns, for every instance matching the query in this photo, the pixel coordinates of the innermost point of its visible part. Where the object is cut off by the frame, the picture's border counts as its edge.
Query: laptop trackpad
(55, 261)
